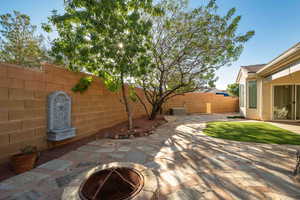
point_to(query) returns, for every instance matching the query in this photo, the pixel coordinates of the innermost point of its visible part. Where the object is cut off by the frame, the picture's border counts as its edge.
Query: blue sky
(276, 23)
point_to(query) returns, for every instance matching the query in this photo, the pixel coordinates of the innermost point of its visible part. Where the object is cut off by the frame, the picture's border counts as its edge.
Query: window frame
(250, 103)
(242, 95)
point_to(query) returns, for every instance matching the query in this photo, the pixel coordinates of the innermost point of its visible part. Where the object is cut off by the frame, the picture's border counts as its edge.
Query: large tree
(107, 38)
(19, 43)
(188, 46)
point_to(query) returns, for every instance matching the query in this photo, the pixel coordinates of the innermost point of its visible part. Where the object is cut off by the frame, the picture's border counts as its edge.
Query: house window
(252, 88)
(241, 94)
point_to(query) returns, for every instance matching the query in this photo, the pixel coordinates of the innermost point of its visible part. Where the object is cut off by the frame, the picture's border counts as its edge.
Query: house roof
(253, 68)
(250, 69)
(285, 55)
(289, 56)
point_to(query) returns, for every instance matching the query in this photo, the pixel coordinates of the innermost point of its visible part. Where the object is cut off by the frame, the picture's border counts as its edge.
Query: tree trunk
(127, 106)
(155, 110)
(144, 105)
(153, 114)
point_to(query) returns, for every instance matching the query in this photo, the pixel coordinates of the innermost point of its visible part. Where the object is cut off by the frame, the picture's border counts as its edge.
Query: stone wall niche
(59, 117)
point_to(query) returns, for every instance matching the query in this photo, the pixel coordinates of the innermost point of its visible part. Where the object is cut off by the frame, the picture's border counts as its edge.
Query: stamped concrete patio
(189, 165)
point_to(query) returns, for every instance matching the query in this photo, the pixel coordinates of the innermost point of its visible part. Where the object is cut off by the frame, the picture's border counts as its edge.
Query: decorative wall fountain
(59, 117)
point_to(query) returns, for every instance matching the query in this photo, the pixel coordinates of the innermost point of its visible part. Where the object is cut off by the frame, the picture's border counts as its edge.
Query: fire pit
(113, 184)
(114, 181)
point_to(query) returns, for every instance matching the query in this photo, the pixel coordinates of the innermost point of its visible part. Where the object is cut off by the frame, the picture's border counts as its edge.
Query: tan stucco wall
(245, 110)
(243, 81)
(252, 113)
(267, 92)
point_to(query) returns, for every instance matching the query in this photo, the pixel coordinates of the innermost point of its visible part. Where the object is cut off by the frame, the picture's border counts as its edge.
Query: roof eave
(279, 58)
(238, 76)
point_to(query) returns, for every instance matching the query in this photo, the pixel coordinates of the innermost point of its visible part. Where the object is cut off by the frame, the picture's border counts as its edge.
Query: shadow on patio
(188, 165)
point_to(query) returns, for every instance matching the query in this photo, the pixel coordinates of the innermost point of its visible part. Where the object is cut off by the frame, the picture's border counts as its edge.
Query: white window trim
(244, 95)
(248, 96)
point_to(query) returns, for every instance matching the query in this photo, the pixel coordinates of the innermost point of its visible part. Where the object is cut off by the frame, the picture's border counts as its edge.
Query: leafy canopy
(19, 43)
(233, 89)
(106, 38)
(187, 47)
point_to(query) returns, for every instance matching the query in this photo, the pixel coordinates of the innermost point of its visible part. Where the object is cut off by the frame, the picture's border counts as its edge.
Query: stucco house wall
(283, 70)
(267, 90)
(242, 80)
(245, 111)
(253, 113)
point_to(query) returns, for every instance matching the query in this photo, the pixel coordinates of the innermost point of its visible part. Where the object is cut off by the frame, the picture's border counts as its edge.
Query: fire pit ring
(113, 181)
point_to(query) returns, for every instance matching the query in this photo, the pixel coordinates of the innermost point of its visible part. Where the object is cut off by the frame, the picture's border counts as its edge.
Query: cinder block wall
(23, 106)
(204, 103)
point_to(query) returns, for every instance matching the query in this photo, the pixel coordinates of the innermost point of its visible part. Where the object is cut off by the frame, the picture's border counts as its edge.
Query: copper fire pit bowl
(114, 181)
(112, 184)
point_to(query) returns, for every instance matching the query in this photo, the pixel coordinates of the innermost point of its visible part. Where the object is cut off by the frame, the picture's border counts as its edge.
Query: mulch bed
(142, 127)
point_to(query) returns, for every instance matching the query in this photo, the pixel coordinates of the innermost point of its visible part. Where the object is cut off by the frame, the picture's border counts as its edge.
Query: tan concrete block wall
(204, 103)
(23, 106)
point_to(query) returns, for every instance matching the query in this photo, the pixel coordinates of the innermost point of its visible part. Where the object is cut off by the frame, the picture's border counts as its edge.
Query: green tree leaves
(166, 49)
(18, 42)
(91, 33)
(233, 89)
(110, 39)
(188, 46)
(83, 84)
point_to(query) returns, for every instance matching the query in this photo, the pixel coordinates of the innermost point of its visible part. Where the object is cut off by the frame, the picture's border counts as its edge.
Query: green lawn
(251, 132)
